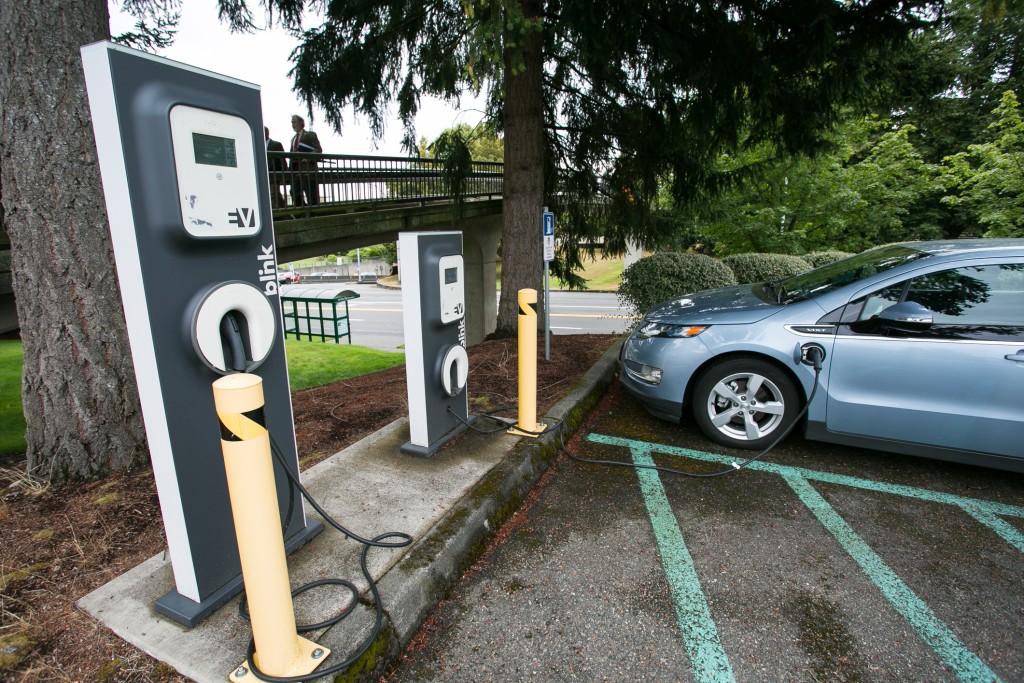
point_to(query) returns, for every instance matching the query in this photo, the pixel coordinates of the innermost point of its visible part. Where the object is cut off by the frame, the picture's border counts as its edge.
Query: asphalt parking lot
(820, 563)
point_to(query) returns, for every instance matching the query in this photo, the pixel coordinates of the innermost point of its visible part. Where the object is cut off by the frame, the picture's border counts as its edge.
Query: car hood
(727, 306)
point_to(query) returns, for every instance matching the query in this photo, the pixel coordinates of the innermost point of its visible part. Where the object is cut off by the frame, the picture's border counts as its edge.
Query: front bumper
(677, 359)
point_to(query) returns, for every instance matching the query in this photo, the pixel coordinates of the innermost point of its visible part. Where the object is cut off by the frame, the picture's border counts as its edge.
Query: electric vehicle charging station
(185, 179)
(434, 318)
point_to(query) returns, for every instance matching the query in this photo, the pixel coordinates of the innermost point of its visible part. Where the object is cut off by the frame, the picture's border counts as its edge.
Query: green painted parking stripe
(1009, 533)
(991, 507)
(985, 511)
(947, 646)
(700, 636)
(967, 666)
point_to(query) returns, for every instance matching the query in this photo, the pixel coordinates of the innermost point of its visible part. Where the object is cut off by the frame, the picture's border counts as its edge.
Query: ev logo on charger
(243, 218)
(268, 270)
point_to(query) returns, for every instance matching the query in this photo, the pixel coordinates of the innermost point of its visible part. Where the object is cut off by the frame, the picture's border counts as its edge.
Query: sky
(262, 58)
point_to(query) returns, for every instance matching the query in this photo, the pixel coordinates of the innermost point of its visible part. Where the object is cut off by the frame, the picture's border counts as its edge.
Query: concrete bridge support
(480, 238)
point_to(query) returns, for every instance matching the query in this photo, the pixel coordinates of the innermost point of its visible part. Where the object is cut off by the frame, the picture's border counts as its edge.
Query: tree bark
(78, 387)
(523, 191)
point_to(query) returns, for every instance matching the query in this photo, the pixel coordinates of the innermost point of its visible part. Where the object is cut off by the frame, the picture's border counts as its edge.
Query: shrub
(669, 275)
(821, 258)
(764, 267)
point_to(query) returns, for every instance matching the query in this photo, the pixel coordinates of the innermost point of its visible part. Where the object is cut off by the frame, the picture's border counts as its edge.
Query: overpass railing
(337, 180)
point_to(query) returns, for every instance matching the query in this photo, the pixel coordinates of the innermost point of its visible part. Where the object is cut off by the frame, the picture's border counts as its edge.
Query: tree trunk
(78, 388)
(523, 192)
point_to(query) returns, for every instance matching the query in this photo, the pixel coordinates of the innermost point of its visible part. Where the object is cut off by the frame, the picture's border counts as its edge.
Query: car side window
(984, 296)
(972, 302)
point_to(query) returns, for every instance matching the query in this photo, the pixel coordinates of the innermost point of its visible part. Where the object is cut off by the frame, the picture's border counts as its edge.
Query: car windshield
(841, 273)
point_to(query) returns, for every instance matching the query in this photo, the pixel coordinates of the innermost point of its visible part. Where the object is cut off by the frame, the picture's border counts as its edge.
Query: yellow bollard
(280, 651)
(527, 424)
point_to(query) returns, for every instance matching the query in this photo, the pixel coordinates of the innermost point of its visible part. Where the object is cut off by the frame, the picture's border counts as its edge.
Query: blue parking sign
(549, 236)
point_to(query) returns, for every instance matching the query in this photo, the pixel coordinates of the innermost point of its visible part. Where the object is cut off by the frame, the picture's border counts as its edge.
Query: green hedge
(821, 258)
(669, 275)
(765, 267)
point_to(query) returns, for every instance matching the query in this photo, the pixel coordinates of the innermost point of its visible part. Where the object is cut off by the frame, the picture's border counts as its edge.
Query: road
(820, 563)
(376, 316)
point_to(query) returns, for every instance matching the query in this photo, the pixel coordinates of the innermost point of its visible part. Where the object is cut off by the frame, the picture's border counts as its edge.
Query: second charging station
(434, 318)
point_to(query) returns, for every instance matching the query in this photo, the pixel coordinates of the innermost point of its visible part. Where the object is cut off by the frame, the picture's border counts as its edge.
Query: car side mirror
(908, 316)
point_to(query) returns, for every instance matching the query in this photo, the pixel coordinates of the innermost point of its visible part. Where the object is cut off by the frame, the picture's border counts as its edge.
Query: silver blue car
(920, 347)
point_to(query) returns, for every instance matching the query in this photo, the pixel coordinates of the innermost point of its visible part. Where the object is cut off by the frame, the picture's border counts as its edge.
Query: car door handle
(1019, 356)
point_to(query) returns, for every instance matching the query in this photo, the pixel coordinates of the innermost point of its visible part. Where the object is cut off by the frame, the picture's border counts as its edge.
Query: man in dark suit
(276, 167)
(305, 188)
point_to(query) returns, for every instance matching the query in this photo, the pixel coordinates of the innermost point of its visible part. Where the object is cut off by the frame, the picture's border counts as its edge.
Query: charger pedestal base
(516, 431)
(312, 656)
(410, 448)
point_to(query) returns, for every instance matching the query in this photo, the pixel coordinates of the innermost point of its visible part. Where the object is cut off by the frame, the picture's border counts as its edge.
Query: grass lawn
(313, 363)
(12, 421)
(310, 364)
(602, 275)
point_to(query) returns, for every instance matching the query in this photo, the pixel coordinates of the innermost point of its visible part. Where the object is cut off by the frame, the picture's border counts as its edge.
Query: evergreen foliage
(668, 275)
(928, 166)
(861, 192)
(989, 177)
(948, 83)
(750, 268)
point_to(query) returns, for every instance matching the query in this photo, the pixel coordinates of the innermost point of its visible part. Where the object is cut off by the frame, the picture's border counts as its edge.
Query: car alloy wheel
(744, 403)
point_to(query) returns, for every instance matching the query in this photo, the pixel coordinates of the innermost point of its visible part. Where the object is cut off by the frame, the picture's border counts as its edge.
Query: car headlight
(649, 329)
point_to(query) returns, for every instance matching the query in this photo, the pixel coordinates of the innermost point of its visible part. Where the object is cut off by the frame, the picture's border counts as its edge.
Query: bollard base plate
(516, 431)
(310, 657)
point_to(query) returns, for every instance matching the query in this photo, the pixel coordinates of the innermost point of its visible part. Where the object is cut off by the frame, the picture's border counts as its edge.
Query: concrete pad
(450, 504)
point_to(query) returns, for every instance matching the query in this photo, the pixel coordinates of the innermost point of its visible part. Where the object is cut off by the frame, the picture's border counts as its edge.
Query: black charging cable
(380, 541)
(504, 423)
(231, 337)
(812, 354)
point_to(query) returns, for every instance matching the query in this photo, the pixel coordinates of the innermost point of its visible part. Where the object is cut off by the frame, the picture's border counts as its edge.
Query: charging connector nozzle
(812, 354)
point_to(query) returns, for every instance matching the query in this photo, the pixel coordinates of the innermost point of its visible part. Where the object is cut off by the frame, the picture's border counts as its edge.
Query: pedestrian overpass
(367, 200)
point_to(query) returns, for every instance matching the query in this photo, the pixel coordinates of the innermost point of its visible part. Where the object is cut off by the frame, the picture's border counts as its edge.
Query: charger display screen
(211, 150)
(452, 297)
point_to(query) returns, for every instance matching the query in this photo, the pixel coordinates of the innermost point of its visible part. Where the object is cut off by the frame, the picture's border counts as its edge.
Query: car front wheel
(744, 403)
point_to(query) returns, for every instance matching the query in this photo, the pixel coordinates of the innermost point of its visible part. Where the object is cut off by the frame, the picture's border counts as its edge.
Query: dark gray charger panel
(164, 274)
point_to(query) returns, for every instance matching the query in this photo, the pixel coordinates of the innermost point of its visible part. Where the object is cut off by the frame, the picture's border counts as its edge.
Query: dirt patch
(57, 545)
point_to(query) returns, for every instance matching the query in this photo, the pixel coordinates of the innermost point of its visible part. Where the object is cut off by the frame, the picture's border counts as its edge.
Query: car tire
(729, 414)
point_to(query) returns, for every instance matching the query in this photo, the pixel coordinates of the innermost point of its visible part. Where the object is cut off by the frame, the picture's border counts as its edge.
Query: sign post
(549, 255)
